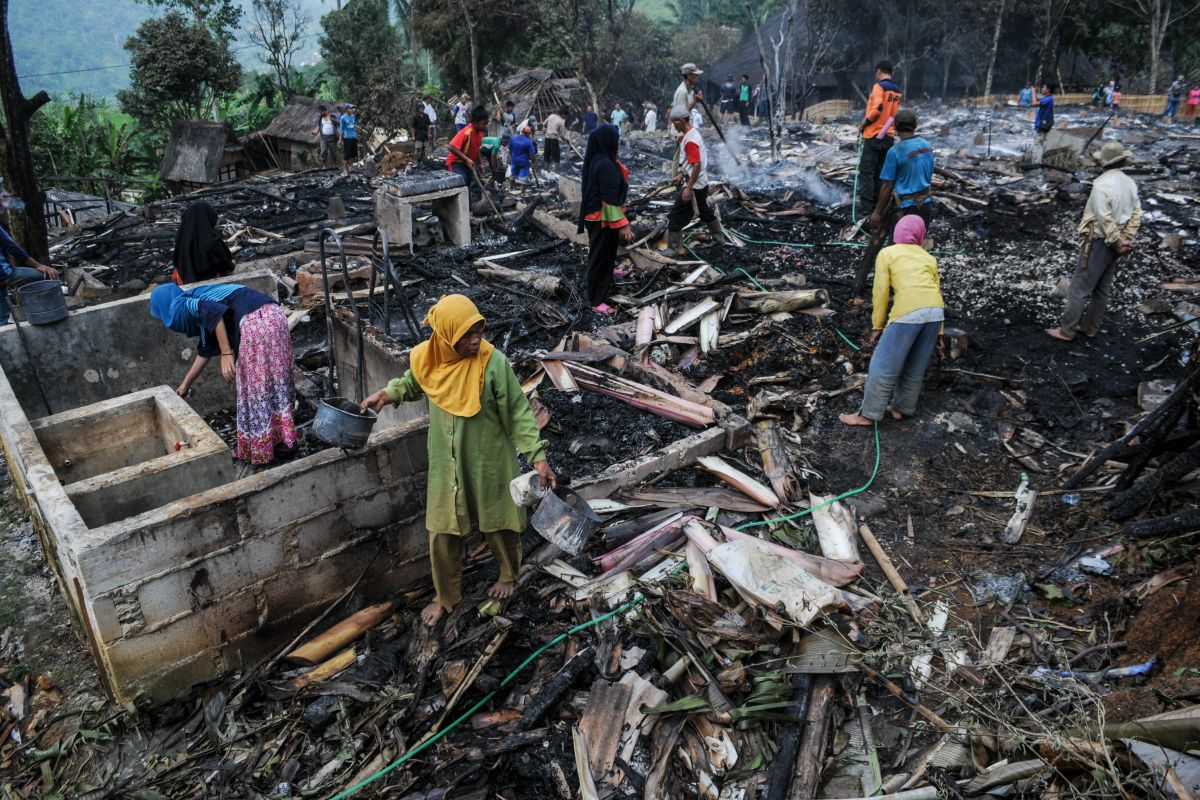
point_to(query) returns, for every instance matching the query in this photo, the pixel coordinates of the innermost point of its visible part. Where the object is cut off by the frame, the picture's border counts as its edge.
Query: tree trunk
(762, 60)
(991, 71)
(473, 42)
(1154, 24)
(28, 227)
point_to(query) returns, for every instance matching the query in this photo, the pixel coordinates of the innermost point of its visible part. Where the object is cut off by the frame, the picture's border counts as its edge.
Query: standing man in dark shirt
(420, 125)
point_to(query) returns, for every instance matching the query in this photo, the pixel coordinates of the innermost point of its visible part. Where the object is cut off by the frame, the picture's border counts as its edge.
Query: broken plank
(740, 481)
(691, 316)
(641, 396)
(340, 635)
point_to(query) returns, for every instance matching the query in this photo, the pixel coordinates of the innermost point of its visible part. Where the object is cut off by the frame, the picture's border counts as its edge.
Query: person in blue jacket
(521, 153)
(17, 267)
(1043, 121)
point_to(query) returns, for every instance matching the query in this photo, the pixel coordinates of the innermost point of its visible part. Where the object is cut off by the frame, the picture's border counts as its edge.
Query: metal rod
(326, 234)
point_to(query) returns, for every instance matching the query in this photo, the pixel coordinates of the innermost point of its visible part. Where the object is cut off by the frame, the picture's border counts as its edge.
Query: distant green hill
(66, 36)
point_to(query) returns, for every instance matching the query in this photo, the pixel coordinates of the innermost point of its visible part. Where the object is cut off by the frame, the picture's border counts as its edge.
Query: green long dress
(472, 459)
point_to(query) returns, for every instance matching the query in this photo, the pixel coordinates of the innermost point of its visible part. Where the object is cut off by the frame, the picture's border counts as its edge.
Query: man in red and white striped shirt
(691, 174)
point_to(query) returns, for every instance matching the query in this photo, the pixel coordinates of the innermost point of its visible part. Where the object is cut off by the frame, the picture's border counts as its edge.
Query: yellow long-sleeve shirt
(1113, 212)
(910, 274)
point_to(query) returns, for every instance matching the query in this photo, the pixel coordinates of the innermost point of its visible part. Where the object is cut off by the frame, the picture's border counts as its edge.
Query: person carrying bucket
(12, 274)
(479, 419)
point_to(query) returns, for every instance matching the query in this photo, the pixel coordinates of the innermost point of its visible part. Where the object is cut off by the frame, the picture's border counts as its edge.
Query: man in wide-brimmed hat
(1110, 220)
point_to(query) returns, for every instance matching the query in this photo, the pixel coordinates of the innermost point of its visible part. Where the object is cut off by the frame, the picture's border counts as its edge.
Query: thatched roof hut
(201, 153)
(540, 92)
(297, 121)
(292, 135)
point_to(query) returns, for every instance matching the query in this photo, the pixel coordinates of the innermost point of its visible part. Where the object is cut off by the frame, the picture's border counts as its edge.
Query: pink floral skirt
(265, 393)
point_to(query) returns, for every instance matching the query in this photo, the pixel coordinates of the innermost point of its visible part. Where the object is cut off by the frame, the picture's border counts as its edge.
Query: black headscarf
(603, 181)
(200, 252)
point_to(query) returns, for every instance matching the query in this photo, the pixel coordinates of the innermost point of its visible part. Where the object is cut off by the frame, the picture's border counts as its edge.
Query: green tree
(277, 28)
(179, 70)
(355, 39)
(222, 17)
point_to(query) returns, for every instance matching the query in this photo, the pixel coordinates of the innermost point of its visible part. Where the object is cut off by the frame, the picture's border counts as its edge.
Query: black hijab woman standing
(602, 212)
(200, 252)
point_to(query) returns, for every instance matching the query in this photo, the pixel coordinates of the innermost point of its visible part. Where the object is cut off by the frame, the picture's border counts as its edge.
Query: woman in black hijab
(200, 252)
(602, 212)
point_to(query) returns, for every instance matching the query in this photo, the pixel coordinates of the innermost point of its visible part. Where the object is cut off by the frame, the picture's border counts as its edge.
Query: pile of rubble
(923, 609)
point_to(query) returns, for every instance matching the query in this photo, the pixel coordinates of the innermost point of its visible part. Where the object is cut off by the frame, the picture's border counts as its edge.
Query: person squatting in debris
(464, 148)
(348, 131)
(906, 176)
(478, 414)
(877, 130)
(556, 131)
(906, 337)
(686, 94)
(522, 152)
(13, 274)
(200, 251)
(1043, 122)
(691, 174)
(605, 187)
(1111, 219)
(327, 135)
(248, 331)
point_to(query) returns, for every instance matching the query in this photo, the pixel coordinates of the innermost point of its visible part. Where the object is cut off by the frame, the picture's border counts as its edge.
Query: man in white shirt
(431, 112)
(691, 174)
(650, 120)
(687, 94)
(1111, 218)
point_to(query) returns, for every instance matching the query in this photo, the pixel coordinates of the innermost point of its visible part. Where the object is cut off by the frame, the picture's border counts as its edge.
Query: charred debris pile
(951, 609)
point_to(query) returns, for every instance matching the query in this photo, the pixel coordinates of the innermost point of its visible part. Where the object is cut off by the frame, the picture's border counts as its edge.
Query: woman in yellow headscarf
(479, 418)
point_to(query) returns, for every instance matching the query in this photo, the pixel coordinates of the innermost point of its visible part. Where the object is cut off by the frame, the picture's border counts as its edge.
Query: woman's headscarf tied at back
(603, 145)
(200, 252)
(910, 230)
(179, 310)
(452, 382)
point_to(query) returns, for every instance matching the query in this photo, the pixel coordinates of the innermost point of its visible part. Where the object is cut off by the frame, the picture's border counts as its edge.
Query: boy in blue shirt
(348, 129)
(521, 152)
(907, 174)
(1043, 122)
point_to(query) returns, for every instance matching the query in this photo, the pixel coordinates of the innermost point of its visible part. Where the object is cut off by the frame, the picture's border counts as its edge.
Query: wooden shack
(291, 137)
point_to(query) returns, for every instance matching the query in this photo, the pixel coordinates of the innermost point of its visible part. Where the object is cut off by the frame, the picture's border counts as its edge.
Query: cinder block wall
(211, 583)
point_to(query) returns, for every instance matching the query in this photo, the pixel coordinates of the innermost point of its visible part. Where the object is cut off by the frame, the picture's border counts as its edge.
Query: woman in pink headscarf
(908, 335)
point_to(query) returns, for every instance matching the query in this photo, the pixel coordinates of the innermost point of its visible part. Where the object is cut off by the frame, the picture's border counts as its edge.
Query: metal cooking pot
(341, 424)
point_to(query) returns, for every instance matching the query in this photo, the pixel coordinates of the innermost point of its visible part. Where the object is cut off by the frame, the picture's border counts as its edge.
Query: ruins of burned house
(542, 92)
(291, 138)
(200, 153)
(63, 208)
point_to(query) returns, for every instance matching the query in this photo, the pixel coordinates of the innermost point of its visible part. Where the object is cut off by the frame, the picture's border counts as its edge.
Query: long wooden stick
(889, 569)
(899, 694)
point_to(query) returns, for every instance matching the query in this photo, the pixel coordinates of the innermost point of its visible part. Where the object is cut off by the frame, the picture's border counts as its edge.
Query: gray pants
(1093, 278)
(328, 150)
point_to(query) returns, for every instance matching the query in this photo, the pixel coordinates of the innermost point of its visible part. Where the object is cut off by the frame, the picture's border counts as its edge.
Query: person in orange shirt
(464, 152)
(877, 130)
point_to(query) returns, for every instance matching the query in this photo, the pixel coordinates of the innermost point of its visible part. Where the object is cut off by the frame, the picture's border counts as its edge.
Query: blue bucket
(43, 302)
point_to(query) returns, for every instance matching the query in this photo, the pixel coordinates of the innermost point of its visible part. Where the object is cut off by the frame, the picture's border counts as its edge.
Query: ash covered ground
(1014, 401)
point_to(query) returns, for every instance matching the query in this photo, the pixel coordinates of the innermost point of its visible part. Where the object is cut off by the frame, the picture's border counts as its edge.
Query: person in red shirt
(877, 130)
(464, 151)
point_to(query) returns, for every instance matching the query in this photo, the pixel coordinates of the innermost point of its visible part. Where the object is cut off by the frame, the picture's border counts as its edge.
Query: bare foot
(502, 590)
(895, 414)
(855, 419)
(1056, 333)
(432, 613)
(857, 301)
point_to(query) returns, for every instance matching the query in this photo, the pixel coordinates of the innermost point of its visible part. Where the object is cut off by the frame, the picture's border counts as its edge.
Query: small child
(1116, 100)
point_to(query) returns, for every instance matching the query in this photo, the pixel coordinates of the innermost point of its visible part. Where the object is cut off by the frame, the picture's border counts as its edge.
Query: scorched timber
(641, 396)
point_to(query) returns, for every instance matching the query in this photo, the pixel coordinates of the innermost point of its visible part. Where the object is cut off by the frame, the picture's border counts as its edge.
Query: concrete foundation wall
(101, 352)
